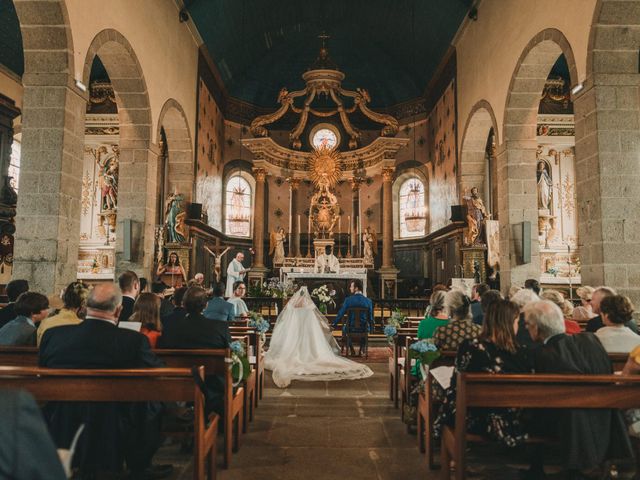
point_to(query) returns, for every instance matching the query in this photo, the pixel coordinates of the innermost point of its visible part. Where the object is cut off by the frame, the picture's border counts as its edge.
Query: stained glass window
(413, 214)
(238, 207)
(324, 138)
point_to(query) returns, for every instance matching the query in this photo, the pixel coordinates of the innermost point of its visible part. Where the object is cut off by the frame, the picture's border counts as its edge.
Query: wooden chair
(137, 385)
(361, 325)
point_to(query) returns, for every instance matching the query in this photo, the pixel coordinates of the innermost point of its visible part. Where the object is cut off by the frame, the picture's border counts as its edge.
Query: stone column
(355, 208)
(258, 270)
(388, 273)
(294, 246)
(48, 211)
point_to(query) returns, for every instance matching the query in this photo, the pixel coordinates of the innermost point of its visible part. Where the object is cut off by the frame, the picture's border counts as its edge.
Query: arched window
(412, 210)
(238, 206)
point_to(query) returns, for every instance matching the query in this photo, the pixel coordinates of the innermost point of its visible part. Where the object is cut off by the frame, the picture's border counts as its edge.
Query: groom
(356, 300)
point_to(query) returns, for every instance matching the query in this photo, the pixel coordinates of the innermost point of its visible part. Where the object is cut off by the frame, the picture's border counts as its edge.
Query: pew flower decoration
(241, 367)
(395, 321)
(257, 321)
(425, 351)
(325, 297)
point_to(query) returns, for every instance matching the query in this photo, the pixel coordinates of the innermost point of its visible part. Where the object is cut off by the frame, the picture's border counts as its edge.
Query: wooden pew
(215, 362)
(19, 356)
(137, 385)
(530, 391)
(249, 385)
(257, 358)
(396, 360)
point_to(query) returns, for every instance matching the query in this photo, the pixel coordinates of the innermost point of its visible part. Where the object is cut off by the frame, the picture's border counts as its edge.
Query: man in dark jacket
(178, 312)
(114, 432)
(587, 436)
(130, 288)
(14, 289)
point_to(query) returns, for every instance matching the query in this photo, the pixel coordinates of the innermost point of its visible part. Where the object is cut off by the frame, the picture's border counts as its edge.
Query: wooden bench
(257, 358)
(138, 385)
(215, 362)
(249, 385)
(530, 391)
(396, 360)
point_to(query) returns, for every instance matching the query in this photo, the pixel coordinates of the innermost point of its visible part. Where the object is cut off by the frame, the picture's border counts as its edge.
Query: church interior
(393, 149)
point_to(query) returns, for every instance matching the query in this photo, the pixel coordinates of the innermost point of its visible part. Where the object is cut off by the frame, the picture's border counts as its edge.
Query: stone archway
(517, 187)
(473, 163)
(608, 151)
(48, 212)
(180, 169)
(138, 158)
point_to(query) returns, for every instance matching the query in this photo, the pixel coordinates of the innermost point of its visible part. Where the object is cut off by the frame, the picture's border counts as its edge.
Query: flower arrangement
(325, 297)
(425, 351)
(277, 288)
(395, 321)
(241, 367)
(257, 321)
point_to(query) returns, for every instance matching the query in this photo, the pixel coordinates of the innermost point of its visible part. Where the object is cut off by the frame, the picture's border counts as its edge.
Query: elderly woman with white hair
(460, 327)
(587, 437)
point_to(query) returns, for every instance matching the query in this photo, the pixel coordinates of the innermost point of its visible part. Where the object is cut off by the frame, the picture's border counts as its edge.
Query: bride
(303, 348)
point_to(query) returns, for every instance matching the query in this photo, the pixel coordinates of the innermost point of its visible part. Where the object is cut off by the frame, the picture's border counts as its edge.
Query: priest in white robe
(235, 273)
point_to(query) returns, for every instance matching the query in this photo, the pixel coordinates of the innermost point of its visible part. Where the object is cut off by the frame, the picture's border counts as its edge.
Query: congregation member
(14, 289)
(179, 311)
(436, 317)
(355, 300)
(488, 298)
(584, 311)
(587, 437)
(31, 308)
(130, 288)
(596, 322)
(477, 291)
(460, 327)
(218, 308)
(616, 311)
(495, 351)
(533, 285)
(240, 308)
(146, 311)
(571, 327)
(114, 433)
(73, 311)
(144, 285)
(197, 280)
(523, 297)
(161, 290)
(632, 416)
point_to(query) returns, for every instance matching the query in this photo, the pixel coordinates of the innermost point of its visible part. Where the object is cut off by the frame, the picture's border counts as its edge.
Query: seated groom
(356, 300)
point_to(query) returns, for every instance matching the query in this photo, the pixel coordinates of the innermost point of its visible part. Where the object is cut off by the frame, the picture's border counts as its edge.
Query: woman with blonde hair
(585, 310)
(571, 327)
(74, 299)
(146, 310)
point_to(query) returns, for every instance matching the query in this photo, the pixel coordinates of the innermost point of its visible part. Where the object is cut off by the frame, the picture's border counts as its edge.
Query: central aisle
(328, 430)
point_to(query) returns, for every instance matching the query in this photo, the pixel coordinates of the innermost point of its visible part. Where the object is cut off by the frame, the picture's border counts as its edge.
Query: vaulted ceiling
(390, 47)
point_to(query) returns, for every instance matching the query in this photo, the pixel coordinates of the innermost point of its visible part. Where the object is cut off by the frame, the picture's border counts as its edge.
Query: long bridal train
(302, 347)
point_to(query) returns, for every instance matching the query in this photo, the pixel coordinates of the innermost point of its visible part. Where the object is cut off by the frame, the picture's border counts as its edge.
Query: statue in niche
(545, 186)
(276, 245)
(109, 169)
(370, 245)
(476, 215)
(174, 218)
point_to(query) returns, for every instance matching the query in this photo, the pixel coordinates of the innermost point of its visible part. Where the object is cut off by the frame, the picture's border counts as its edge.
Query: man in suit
(218, 308)
(30, 308)
(356, 300)
(179, 312)
(596, 323)
(26, 449)
(159, 289)
(15, 288)
(114, 432)
(587, 436)
(130, 288)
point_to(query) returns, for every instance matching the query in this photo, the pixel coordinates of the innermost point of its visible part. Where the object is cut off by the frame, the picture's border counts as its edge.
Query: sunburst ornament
(325, 167)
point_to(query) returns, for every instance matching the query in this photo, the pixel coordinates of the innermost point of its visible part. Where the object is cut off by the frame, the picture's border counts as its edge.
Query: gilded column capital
(294, 183)
(387, 173)
(260, 174)
(356, 182)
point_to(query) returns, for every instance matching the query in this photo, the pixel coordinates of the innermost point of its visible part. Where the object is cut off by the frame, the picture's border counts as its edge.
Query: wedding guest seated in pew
(523, 297)
(488, 298)
(587, 437)
(495, 351)
(218, 308)
(460, 327)
(584, 311)
(114, 432)
(130, 288)
(477, 291)
(570, 327)
(179, 312)
(436, 317)
(146, 311)
(31, 308)
(73, 311)
(596, 322)
(14, 289)
(239, 291)
(163, 293)
(616, 311)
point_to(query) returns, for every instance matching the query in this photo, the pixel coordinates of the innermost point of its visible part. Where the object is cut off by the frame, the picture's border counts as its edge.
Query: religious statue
(276, 245)
(476, 215)
(217, 261)
(545, 186)
(172, 273)
(108, 164)
(326, 262)
(174, 220)
(370, 242)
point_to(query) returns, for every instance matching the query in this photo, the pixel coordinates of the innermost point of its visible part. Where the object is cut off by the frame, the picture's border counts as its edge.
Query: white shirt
(618, 339)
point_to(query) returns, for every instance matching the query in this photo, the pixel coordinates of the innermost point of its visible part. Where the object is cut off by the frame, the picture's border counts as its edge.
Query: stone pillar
(258, 270)
(48, 211)
(355, 208)
(294, 246)
(388, 273)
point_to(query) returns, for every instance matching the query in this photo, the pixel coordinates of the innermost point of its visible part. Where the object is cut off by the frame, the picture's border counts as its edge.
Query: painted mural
(209, 156)
(441, 131)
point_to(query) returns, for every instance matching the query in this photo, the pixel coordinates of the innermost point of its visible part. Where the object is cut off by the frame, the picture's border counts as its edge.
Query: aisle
(328, 430)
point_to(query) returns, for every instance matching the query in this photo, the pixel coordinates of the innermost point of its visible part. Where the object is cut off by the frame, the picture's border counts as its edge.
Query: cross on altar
(217, 252)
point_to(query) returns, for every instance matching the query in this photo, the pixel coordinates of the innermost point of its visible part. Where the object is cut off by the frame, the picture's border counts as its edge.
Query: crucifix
(217, 252)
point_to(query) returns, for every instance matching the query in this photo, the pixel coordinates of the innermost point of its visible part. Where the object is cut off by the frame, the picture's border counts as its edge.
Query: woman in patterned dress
(460, 327)
(494, 351)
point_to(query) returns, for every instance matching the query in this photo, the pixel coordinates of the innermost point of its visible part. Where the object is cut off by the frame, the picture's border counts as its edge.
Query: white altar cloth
(295, 274)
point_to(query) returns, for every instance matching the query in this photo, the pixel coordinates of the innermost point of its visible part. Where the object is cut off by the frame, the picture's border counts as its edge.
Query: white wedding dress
(302, 347)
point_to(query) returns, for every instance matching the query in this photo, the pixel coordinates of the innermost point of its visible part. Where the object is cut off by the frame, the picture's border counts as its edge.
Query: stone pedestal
(257, 275)
(470, 255)
(388, 282)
